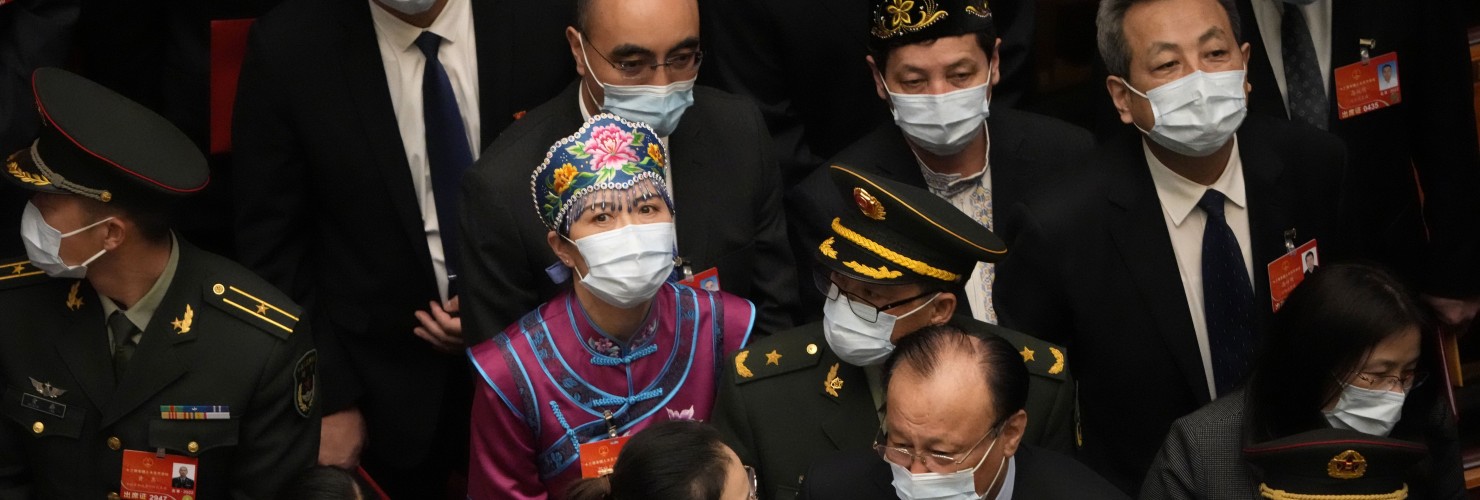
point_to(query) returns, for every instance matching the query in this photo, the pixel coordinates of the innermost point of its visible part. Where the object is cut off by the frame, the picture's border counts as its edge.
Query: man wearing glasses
(890, 264)
(954, 429)
(637, 59)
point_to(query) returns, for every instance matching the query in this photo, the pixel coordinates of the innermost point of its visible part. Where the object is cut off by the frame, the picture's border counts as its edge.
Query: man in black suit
(1415, 164)
(183, 480)
(724, 180)
(349, 141)
(939, 74)
(955, 407)
(1150, 263)
(805, 68)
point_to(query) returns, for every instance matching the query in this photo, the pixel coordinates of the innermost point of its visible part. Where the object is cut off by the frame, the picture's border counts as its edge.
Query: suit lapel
(848, 419)
(1140, 234)
(1269, 216)
(1007, 168)
(156, 361)
(364, 78)
(694, 183)
(82, 343)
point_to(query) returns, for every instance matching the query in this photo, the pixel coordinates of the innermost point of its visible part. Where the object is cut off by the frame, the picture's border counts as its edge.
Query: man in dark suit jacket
(1102, 264)
(1422, 147)
(1018, 151)
(183, 480)
(950, 388)
(725, 183)
(805, 68)
(328, 208)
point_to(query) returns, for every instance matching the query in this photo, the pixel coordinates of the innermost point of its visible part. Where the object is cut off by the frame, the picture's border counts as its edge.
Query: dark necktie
(1228, 297)
(1303, 83)
(123, 342)
(448, 154)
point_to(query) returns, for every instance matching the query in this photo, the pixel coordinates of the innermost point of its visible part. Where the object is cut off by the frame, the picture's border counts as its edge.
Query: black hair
(675, 459)
(1002, 367)
(986, 39)
(326, 483)
(1322, 333)
(1110, 32)
(152, 219)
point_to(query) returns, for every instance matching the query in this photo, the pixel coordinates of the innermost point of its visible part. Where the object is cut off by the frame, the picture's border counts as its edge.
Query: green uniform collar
(141, 312)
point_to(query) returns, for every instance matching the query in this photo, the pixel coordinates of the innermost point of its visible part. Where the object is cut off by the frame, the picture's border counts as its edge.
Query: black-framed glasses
(641, 67)
(934, 462)
(862, 308)
(754, 486)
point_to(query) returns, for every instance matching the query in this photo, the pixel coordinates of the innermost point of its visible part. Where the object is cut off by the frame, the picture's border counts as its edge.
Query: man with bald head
(637, 59)
(953, 428)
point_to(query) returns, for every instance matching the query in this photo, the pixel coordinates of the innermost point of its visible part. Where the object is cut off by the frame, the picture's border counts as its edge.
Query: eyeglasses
(754, 486)
(861, 308)
(1405, 382)
(934, 462)
(642, 67)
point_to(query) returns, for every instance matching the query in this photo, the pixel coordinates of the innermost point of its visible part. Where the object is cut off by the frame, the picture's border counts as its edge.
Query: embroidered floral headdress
(609, 161)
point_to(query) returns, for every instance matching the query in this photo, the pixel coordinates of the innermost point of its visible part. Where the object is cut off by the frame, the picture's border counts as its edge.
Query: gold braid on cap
(918, 267)
(1274, 494)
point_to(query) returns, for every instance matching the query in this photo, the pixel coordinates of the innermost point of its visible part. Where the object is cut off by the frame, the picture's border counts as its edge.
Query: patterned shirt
(972, 195)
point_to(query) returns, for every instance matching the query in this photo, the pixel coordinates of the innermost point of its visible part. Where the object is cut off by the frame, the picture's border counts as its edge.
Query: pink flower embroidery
(686, 414)
(609, 147)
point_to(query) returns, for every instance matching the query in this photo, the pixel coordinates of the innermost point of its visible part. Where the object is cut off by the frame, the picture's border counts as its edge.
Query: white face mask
(627, 265)
(942, 124)
(44, 245)
(1198, 113)
(1366, 410)
(659, 106)
(408, 7)
(856, 341)
(938, 486)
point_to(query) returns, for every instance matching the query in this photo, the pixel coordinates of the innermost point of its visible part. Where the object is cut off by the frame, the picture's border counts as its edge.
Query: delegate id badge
(707, 279)
(1367, 86)
(598, 458)
(1286, 272)
(157, 476)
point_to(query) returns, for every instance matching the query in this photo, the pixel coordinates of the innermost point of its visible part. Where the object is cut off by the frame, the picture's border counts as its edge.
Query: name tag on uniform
(1289, 270)
(44, 405)
(157, 476)
(1367, 86)
(707, 279)
(195, 412)
(598, 459)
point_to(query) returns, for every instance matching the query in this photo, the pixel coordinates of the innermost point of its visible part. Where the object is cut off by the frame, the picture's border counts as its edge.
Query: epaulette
(784, 352)
(262, 307)
(18, 272)
(1044, 359)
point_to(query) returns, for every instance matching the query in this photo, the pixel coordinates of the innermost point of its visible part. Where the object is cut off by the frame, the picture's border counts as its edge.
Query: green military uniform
(209, 369)
(790, 399)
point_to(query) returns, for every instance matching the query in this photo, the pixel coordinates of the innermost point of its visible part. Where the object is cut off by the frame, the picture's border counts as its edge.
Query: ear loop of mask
(585, 59)
(79, 230)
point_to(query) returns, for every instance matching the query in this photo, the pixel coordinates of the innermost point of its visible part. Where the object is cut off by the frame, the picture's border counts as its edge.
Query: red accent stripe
(42, 108)
(1257, 451)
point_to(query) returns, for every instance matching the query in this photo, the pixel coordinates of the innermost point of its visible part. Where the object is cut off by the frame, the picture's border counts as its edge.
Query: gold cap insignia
(1347, 465)
(868, 204)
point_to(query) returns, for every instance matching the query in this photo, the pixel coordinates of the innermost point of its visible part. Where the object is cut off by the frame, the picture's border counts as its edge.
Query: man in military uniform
(891, 262)
(125, 352)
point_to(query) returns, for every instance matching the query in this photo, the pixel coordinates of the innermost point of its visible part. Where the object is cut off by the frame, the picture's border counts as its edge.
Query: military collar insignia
(182, 324)
(46, 389)
(74, 302)
(832, 384)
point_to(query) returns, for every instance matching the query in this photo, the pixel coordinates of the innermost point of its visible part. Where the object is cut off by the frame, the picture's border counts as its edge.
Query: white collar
(1179, 195)
(452, 24)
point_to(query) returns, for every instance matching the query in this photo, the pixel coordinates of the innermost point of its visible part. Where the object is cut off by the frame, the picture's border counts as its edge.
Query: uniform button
(811, 348)
(38, 427)
(193, 447)
(114, 444)
(113, 496)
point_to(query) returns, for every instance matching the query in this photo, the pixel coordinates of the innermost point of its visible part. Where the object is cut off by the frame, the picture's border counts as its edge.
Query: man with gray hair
(1152, 263)
(945, 437)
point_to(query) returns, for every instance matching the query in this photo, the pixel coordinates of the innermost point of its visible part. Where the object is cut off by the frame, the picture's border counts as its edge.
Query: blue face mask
(659, 106)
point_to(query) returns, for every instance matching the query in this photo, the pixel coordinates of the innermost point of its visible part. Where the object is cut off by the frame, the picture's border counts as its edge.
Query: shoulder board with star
(796, 349)
(18, 272)
(257, 304)
(1043, 359)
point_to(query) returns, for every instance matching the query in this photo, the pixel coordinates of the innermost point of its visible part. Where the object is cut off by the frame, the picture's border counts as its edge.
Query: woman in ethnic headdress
(623, 347)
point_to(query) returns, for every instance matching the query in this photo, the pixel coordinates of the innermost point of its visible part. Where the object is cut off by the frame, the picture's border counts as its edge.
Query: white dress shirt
(1268, 14)
(1185, 224)
(404, 65)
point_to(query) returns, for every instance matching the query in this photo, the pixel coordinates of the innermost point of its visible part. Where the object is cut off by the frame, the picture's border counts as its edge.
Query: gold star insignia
(261, 308)
(833, 384)
(182, 325)
(1027, 354)
(19, 268)
(773, 358)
